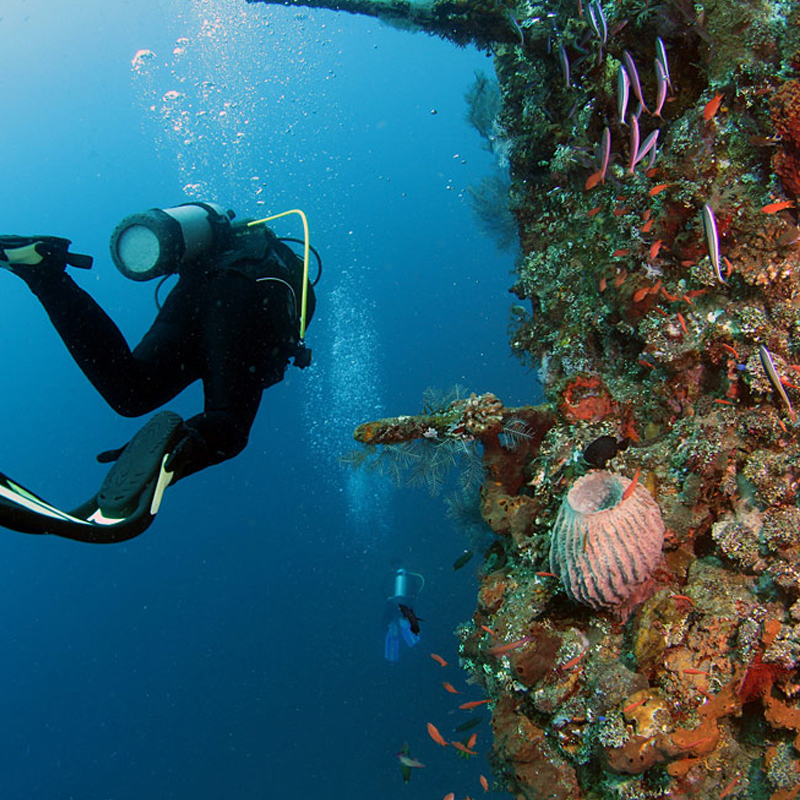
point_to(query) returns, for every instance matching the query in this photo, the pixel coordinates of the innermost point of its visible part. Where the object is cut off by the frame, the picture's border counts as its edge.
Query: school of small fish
(465, 747)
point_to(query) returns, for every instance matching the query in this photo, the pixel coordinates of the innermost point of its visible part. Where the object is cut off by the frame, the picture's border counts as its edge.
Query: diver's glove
(47, 253)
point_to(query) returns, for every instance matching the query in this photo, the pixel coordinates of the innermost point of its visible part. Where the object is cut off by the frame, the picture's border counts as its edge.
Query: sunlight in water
(229, 103)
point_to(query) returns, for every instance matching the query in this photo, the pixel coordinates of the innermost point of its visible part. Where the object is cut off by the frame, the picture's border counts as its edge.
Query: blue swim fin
(410, 638)
(392, 644)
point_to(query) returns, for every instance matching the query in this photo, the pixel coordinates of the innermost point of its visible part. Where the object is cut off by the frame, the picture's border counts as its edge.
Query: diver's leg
(409, 637)
(131, 384)
(170, 355)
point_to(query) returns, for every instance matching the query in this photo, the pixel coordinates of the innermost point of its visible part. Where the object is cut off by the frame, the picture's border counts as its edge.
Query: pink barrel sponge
(603, 547)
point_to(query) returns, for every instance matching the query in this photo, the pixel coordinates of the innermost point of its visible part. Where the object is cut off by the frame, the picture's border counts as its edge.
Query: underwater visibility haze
(529, 523)
(236, 648)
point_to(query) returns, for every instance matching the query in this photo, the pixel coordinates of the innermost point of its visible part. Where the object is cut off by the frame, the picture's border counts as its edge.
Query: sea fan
(489, 201)
(464, 510)
(483, 106)
(426, 461)
(435, 400)
(422, 462)
(357, 458)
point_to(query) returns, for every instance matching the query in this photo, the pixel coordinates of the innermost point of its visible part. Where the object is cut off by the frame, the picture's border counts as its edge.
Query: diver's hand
(34, 251)
(107, 456)
(53, 253)
(47, 253)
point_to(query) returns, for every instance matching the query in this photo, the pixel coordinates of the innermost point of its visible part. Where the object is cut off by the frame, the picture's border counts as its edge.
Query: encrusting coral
(785, 111)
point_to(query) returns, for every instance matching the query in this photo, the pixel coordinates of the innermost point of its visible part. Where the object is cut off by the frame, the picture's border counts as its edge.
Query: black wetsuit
(218, 324)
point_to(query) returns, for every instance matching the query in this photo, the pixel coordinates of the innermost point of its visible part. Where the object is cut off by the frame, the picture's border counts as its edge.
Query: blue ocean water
(236, 648)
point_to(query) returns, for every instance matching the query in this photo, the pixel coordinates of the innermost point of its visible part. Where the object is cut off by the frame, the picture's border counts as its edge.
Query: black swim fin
(137, 465)
(126, 504)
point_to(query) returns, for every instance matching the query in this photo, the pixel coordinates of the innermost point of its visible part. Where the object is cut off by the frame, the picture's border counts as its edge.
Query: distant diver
(405, 586)
(236, 316)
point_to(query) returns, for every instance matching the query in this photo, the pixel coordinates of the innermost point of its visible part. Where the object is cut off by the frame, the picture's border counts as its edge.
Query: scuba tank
(406, 584)
(157, 242)
(160, 242)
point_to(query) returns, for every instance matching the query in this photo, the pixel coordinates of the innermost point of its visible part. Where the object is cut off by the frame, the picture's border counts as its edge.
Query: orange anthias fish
(774, 208)
(712, 106)
(641, 294)
(463, 748)
(471, 741)
(593, 180)
(502, 649)
(484, 783)
(437, 737)
(439, 660)
(473, 704)
(450, 796)
(632, 485)
(655, 247)
(450, 688)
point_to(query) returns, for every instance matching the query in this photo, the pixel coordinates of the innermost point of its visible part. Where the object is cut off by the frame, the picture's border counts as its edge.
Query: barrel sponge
(603, 547)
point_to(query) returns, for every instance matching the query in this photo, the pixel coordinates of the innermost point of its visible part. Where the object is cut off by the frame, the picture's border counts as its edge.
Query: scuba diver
(234, 319)
(399, 618)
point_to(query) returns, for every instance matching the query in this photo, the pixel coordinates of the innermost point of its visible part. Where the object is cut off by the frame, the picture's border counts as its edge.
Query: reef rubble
(654, 152)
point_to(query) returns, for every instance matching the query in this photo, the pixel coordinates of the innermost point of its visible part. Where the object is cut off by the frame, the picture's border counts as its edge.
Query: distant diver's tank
(406, 584)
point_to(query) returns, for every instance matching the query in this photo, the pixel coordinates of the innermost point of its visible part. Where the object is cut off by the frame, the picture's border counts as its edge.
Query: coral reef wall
(655, 162)
(655, 180)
